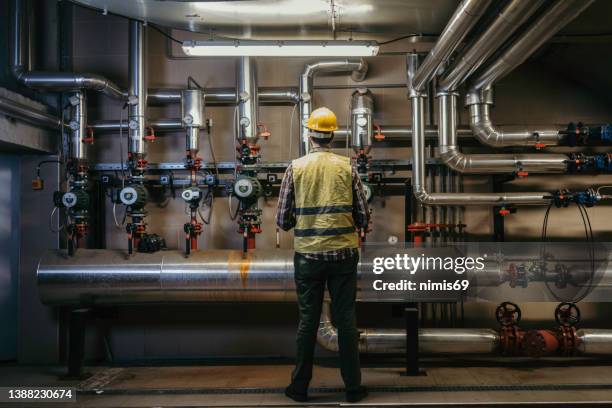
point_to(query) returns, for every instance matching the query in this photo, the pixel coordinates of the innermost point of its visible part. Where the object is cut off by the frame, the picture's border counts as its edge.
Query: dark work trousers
(341, 279)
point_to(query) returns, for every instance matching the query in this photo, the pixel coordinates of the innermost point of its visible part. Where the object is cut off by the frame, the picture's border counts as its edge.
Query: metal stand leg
(411, 313)
(76, 345)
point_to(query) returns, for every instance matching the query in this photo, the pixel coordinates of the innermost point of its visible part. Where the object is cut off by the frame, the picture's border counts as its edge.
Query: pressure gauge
(362, 122)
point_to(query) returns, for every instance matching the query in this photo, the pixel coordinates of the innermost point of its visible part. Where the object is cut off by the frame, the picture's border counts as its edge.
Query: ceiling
(369, 19)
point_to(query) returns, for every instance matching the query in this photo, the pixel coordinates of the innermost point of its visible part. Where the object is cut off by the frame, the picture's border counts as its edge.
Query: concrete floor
(261, 385)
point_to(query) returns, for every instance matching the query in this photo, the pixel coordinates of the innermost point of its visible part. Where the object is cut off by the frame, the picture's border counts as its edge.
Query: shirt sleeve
(361, 211)
(285, 212)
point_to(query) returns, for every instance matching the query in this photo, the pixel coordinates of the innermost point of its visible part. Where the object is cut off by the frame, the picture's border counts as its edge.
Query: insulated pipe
(418, 164)
(484, 130)
(359, 69)
(362, 110)
(431, 341)
(78, 127)
(464, 18)
(137, 99)
(225, 96)
(29, 114)
(52, 81)
(554, 19)
(160, 125)
(246, 88)
(487, 163)
(511, 17)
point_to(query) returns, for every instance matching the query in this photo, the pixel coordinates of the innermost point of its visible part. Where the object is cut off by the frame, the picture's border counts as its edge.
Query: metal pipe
(53, 81)
(464, 18)
(418, 165)
(359, 69)
(511, 17)
(29, 114)
(484, 130)
(431, 341)
(160, 125)
(78, 127)
(594, 341)
(246, 87)
(554, 19)
(452, 156)
(97, 277)
(225, 96)
(137, 99)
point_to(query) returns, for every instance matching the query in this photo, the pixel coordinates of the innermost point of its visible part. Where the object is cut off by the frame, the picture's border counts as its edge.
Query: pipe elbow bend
(454, 159)
(327, 336)
(487, 134)
(361, 72)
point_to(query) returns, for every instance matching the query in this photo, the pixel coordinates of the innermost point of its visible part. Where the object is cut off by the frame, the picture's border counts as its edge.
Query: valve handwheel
(508, 314)
(567, 314)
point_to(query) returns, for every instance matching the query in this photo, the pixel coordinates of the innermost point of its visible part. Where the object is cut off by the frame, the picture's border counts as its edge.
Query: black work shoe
(356, 395)
(296, 396)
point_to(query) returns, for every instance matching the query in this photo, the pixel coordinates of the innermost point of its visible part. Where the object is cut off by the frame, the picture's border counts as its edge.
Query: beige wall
(531, 95)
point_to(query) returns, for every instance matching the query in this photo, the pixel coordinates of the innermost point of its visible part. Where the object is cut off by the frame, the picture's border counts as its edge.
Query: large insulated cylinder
(246, 92)
(192, 115)
(362, 110)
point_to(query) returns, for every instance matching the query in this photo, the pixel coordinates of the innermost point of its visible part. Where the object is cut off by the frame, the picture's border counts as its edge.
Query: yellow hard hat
(322, 120)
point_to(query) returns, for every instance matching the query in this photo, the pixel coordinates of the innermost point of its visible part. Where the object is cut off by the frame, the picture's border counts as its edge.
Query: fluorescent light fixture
(290, 48)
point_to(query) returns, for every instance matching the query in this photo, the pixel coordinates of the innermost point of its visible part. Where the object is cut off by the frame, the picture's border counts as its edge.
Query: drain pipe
(52, 81)
(359, 69)
(479, 98)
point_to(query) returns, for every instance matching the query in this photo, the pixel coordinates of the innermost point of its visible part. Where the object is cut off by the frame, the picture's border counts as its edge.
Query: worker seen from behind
(322, 198)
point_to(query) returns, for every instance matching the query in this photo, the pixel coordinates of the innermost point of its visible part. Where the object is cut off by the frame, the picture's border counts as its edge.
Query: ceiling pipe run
(51, 81)
(359, 69)
(479, 96)
(511, 17)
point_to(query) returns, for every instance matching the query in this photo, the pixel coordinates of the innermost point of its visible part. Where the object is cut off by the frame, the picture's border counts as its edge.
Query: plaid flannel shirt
(285, 213)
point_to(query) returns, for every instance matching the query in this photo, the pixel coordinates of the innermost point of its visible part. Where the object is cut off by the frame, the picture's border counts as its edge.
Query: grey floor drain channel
(390, 389)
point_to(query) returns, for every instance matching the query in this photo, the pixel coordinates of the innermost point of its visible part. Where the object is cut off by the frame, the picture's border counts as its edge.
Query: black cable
(165, 34)
(191, 80)
(403, 37)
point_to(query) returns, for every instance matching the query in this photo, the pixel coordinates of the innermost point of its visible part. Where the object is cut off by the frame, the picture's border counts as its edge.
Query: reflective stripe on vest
(324, 203)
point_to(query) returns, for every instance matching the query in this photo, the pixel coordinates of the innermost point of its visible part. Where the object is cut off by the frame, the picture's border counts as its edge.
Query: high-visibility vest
(323, 203)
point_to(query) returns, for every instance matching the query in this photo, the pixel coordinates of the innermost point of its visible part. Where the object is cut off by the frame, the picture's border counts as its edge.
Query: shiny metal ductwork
(519, 163)
(192, 116)
(137, 99)
(362, 110)
(246, 90)
(462, 21)
(51, 81)
(511, 17)
(431, 341)
(359, 69)
(479, 96)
